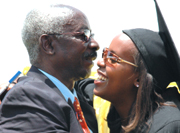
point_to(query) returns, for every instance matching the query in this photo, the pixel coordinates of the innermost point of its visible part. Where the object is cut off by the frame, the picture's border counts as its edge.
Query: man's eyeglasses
(85, 35)
(112, 58)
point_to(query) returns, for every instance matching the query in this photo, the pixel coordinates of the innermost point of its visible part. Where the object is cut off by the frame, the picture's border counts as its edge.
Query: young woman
(131, 74)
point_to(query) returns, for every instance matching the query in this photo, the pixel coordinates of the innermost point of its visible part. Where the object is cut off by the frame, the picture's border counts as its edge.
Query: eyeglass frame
(116, 59)
(89, 36)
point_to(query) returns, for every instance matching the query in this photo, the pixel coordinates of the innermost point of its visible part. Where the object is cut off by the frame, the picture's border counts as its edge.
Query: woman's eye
(112, 61)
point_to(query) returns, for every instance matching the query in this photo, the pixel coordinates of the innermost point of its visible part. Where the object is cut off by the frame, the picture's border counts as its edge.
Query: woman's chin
(95, 91)
(98, 92)
(100, 87)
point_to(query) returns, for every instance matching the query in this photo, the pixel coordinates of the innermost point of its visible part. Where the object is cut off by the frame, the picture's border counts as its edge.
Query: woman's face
(117, 81)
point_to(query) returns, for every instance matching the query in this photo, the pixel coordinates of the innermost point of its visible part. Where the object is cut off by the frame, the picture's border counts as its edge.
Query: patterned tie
(80, 116)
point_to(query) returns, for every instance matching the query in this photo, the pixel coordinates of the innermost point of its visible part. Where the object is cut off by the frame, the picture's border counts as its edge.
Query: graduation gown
(165, 120)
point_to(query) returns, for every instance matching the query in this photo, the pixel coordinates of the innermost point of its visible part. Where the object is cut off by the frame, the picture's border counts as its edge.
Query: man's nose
(93, 44)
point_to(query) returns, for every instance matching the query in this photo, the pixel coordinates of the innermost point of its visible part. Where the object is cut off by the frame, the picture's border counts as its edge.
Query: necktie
(80, 116)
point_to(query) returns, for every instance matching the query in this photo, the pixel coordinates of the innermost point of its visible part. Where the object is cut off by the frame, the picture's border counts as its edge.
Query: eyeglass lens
(111, 58)
(87, 35)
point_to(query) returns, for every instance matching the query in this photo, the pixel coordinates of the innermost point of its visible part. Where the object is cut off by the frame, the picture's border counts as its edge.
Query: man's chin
(84, 75)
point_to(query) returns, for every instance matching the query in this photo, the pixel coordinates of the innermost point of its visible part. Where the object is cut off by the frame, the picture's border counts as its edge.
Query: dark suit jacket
(36, 105)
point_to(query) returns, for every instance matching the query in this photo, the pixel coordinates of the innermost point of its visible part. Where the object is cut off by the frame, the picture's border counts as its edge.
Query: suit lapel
(71, 104)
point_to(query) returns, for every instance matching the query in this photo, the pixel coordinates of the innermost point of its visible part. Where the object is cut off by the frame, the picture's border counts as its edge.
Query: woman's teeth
(102, 78)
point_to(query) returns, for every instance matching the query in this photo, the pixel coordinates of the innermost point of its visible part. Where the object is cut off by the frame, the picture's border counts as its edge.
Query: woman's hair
(147, 100)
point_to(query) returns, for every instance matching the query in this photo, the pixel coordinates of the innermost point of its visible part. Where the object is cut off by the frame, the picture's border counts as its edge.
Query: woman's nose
(101, 63)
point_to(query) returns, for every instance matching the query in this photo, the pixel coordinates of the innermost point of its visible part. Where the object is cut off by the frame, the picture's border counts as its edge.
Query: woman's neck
(123, 110)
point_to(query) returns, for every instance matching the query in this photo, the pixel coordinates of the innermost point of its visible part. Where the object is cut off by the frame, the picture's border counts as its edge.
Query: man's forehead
(78, 22)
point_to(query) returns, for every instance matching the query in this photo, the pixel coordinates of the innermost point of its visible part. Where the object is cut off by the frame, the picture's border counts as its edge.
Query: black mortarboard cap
(158, 51)
(170, 46)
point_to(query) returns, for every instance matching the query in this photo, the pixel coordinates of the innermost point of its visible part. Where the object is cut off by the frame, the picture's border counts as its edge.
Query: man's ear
(45, 42)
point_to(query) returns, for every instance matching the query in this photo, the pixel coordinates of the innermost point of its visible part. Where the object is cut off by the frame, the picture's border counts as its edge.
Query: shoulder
(171, 113)
(33, 101)
(29, 86)
(166, 118)
(34, 92)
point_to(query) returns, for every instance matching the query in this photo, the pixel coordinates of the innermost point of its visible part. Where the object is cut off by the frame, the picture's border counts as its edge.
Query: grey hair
(41, 21)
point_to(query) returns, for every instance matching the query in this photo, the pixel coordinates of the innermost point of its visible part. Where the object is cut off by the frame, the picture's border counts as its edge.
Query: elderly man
(61, 49)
